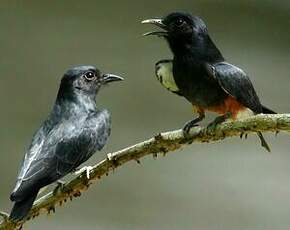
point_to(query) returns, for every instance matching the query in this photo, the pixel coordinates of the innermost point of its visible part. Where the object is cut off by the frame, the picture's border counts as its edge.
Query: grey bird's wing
(236, 83)
(54, 154)
(79, 147)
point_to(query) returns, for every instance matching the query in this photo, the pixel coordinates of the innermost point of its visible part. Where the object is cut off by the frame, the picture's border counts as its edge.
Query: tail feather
(263, 142)
(267, 110)
(21, 208)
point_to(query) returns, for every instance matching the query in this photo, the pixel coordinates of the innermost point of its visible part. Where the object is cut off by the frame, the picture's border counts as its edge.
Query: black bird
(200, 73)
(73, 131)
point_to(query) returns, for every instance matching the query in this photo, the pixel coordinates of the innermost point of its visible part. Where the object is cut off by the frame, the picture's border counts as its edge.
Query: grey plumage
(74, 130)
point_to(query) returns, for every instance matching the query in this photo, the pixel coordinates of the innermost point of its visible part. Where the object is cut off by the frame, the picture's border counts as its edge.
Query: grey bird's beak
(158, 22)
(110, 78)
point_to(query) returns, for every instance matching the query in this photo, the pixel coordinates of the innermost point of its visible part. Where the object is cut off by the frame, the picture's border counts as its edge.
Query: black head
(185, 32)
(177, 24)
(85, 80)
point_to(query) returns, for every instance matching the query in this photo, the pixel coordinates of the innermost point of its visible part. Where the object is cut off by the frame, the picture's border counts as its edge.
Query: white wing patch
(165, 76)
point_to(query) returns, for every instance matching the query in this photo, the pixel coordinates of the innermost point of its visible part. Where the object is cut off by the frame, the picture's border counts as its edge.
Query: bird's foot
(60, 183)
(59, 186)
(4, 215)
(86, 169)
(218, 120)
(192, 123)
(186, 128)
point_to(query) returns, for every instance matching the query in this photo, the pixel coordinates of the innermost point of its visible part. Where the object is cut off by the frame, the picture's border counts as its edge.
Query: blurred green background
(233, 184)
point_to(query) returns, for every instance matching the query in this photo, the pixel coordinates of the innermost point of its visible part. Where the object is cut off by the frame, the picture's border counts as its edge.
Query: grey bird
(74, 130)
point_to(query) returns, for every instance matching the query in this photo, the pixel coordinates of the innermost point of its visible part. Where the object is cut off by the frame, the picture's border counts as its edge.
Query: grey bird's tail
(22, 207)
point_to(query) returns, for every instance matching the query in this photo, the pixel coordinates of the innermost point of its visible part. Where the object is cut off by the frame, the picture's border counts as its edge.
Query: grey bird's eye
(179, 22)
(90, 76)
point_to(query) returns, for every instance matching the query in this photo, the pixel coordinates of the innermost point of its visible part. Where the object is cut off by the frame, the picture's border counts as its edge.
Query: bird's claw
(192, 123)
(4, 215)
(186, 128)
(218, 120)
(59, 185)
(211, 126)
(86, 169)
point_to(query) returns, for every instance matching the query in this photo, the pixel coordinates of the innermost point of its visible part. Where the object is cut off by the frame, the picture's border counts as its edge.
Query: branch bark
(161, 143)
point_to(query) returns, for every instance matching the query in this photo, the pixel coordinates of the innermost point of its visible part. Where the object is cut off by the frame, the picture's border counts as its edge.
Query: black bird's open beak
(110, 78)
(158, 22)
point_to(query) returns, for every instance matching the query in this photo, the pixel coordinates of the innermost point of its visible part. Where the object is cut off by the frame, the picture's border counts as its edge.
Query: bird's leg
(59, 185)
(86, 169)
(218, 120)
(188, 125)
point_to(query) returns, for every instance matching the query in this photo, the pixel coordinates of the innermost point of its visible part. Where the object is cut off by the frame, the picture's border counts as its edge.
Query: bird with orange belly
(199, 72)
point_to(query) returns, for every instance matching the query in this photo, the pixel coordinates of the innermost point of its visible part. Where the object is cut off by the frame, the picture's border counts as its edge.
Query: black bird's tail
(22, 207)
(266, 110)
(263, 142)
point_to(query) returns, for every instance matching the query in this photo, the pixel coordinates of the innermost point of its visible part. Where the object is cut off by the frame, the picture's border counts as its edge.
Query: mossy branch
(161, 143)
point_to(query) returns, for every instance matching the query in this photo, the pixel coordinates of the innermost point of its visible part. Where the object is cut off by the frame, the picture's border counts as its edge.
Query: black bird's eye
(90, 76)
(179, 22)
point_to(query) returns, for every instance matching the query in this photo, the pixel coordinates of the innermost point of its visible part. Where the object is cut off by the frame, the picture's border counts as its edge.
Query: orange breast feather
(230, 105)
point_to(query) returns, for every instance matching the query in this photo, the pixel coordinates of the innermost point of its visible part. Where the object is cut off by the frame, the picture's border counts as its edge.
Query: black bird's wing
(55, 154)
(236, 83)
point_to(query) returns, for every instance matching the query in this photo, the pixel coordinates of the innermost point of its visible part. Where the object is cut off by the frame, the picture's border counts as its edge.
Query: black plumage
(236, 83)
(201, 73)
(73, 131)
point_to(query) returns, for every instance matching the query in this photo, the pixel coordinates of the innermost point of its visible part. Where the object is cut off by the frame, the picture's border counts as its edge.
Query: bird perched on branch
(73, 131)
(200, 73)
